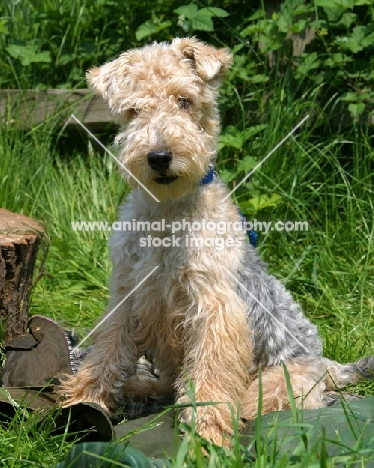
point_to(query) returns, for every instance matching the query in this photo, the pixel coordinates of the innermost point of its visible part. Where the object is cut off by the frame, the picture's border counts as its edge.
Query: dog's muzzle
(159, 161)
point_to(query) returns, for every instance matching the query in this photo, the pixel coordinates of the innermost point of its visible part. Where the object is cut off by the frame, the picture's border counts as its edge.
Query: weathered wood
(298, 42)
(20, 239)
(24, 109)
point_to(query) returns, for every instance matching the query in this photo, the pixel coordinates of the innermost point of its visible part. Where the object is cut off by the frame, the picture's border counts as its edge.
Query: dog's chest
(183, 240)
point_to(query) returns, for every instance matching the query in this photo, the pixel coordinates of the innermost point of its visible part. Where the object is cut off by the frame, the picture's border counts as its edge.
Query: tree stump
(20, 239)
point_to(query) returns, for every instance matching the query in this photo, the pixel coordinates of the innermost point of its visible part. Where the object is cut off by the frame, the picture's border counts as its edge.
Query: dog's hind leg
(307, 378)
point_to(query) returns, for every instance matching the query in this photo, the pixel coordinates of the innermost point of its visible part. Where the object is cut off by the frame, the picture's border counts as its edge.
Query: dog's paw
(74, 390)
(211, 422)
(68, 402)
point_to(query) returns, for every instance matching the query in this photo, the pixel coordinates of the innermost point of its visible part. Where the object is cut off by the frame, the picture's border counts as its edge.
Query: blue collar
(207, 179)
(252, 235)
(209, 176)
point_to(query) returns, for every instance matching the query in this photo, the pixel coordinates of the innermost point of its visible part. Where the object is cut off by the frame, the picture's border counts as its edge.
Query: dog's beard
(164, 188)
(181, 178)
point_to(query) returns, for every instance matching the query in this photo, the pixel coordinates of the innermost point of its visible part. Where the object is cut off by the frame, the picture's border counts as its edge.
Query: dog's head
(164, 96)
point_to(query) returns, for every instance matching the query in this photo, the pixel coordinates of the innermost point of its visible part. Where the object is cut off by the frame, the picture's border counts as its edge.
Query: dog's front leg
(112, 361)
(218, 357)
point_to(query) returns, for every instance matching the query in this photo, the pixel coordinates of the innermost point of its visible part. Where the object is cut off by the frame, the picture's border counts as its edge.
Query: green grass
(329, 268)
(36, 181)
(26, 441)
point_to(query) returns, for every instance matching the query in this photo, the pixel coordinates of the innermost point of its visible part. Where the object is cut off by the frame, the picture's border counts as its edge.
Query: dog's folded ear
(105, 79)
(210, 63)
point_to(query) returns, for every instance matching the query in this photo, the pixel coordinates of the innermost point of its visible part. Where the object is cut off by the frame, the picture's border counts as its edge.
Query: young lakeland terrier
(210, 315)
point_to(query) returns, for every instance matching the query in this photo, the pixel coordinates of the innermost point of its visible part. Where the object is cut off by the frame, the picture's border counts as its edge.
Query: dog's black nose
(159, 160)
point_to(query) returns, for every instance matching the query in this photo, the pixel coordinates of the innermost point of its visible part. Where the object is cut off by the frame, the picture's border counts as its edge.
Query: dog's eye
(184, 103)
(132, 113)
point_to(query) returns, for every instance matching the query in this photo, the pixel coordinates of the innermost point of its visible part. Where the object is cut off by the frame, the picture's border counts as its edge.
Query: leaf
(227, 175)
(16, 51)
(188, 11)
(350, 97)
(254, 130)
(44, 56)
(202, 21)
(247, 208)
(3, 28)
(356, 109)
(149, 28)
(311, 61)
(237, 48)
(347, 19)
(344, 3)
(260, 202)
(300, 26)
(247, 163)
(259, 79)
(340, 4)
(64, 59)
(217, 12)
(234, 141)
(358, 40)
(369, 40)
(235, 138)
(337, 59)
(250, 30)
(146, 29)
(283, 24)
(28, 54)
(271, 42)
(257, 15)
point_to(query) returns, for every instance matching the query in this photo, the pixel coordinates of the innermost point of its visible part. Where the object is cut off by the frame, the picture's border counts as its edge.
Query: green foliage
(28, 54)
(339, 58)
(272, 82)
(50, 44)
(150, 28)
(191, 18)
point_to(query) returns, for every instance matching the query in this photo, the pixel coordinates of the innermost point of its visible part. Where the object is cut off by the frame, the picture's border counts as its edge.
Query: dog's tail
(314, 384)
(340, 375)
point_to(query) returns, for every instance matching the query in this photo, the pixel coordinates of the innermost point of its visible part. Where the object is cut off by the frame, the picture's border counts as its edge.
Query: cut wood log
(20, 239)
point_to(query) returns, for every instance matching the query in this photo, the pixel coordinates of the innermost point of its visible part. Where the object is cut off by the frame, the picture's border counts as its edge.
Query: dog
(196, 295)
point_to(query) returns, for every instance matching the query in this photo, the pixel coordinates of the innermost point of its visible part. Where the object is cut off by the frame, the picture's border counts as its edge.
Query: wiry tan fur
(191, 312)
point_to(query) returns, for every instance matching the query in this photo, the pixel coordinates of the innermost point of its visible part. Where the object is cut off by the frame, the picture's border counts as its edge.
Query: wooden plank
(27, 108)
(24, 109)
